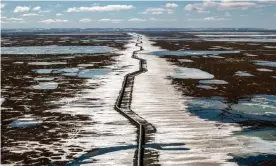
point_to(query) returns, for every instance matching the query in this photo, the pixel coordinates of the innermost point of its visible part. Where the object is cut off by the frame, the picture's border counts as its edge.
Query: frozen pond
(265, 63)
(241, 40)
(185, 60)
(91, 73)
(265, 70)
(260, 105)
(47, 63)
(190, 73)
(46, 85)
(213, 82)
(255, 108)
(44, 79)
(270, 47)
(243, 74)
(25, 122)
(205, 87)
(191, 53)
(56, 50)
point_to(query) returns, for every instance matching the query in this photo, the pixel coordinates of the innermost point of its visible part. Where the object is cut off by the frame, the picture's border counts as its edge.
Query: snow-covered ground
(199, 141)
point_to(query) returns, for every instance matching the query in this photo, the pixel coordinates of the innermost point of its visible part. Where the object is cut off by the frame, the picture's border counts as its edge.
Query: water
(56, 50)
(192, 53)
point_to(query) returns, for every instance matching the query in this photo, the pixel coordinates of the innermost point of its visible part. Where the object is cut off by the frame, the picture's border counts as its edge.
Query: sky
(139, 14)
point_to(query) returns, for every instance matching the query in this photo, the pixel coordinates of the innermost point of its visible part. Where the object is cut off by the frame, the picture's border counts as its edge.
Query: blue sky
(138, 14)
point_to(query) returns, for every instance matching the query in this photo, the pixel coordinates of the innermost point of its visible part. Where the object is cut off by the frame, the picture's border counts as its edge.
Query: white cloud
(49, 21)
(19, 9)
(11, 22)
(30, 14)
(209, 19)
(195, 7)
(14, 19)
(85, 20)
(59, 14)
(157, 11)
(228, 5)
(223, 5)
(2, 5)
(137, 20)
(171, 5)
(110, 20)
(214, 19)
(100, 8)
(37, 8)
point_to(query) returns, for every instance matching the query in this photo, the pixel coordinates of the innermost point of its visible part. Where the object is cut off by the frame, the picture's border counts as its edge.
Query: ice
(192, 52)
(91, 73)
(66, 70)
(190, 73)
(85, 65)
(262, 104)
(213, 82)
(43, 71)
(2, 100)
(215, 56)
(46, 85)
(247, 54)
(47, 63)
(265, 63)
(26, 122)
(270, 46)
(265, 70)
(243, 74)
(18, 62)
(240, 40)
(185, 60)
(44, 79)
(205, 87)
